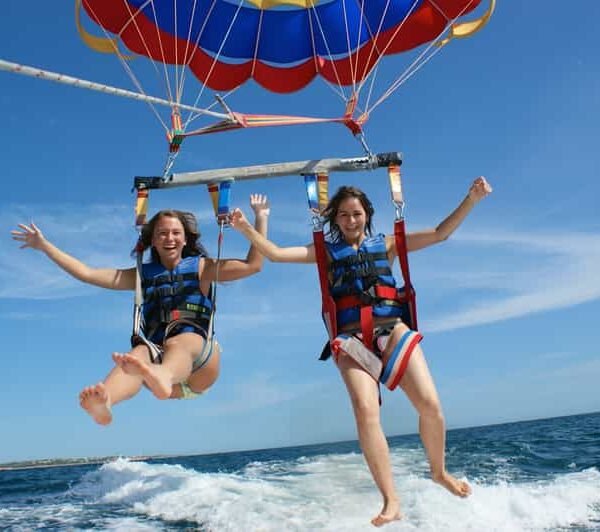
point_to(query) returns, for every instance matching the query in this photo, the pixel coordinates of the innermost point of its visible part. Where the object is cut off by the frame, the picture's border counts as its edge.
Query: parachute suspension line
(187, 58)
(192, 117)
(338, 90)
(372, 77)
(408, 73)
(217, 56)
(160, 44)
(341, 91)
(176, 65)
(374, 48)
(256, 44)
(381, 53)
(457, 30)
(349, 45)
(225, 37)
(133, 20)
(351, 102)
(123, 60)
(361, 21)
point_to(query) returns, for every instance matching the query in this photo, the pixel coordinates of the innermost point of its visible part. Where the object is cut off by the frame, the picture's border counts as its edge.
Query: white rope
(187, 59)
(128, 70)
(340, 91)
(216, 58)
(422, 59)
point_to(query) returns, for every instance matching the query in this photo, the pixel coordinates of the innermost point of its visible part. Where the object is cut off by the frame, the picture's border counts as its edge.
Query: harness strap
(141, 211)
(383, 293)
(169, 278)
(400, 241)
(366, 326)
(360, 257)
(316, 192)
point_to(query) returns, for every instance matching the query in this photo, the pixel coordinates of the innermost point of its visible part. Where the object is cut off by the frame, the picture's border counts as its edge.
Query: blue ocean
(526, 476)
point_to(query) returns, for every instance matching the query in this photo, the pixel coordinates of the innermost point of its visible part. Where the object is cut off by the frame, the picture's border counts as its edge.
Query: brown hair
(331, 211)
(193, 247)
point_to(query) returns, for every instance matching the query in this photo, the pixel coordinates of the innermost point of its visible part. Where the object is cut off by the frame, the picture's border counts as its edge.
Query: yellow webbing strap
(141, 207)
(103, 45)
(213, 190)
(395, 184)
(460, 30)
(323, 190)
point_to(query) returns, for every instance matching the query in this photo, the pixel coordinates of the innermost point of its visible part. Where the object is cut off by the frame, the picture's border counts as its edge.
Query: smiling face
(352, 220)
(168, 239)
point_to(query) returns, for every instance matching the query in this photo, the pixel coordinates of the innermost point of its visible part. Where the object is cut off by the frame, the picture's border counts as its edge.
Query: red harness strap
(328, 304)
(409, 291)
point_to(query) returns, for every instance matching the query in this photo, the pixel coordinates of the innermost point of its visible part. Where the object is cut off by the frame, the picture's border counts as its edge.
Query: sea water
(526, 476)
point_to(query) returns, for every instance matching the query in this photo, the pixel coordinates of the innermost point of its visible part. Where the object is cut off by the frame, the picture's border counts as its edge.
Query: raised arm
(233, 269)
(301, 254)
(32, 237)
(422, 239)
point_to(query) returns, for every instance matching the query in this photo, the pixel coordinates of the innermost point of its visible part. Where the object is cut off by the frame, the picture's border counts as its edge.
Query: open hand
(260, 204)
(30, 235)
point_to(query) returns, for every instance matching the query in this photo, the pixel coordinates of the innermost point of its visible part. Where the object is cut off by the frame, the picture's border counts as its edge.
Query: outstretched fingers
(30, 235)
(259, 204)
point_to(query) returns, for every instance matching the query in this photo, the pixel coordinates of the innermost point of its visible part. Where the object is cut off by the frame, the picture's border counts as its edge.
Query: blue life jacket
(362, 277)
(171, 295)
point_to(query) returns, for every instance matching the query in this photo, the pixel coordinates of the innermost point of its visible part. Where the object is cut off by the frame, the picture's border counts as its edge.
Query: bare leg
(364, 395)
(203, 378)
(97, 400)
(418, 385)
(179, 354)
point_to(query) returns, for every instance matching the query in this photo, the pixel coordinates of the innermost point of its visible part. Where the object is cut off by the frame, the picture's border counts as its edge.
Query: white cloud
(561, 271)
(101, 235)
(515, 274)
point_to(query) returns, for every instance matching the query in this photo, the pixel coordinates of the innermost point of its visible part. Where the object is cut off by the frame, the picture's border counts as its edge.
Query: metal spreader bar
(261, 171)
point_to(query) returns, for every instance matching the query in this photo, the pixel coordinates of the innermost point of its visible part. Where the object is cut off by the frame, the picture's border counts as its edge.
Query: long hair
(192, 248)
(331, 211)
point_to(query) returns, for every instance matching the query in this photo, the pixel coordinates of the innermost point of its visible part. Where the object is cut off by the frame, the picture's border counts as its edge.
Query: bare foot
(95, 401)
(457, 487)
(389, 513)
(154, 375)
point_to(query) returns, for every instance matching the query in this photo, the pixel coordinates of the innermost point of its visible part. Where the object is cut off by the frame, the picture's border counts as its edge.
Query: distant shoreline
(69, 462)
(42, 464)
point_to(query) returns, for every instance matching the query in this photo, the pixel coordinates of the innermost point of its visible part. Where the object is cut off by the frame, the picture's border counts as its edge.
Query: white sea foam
(335, 493)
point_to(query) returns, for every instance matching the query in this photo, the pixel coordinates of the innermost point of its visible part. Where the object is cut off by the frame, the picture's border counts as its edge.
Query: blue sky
(508, 305)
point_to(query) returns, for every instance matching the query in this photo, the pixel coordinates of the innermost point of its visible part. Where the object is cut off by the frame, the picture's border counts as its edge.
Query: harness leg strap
(396, 366)
(356, 350)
